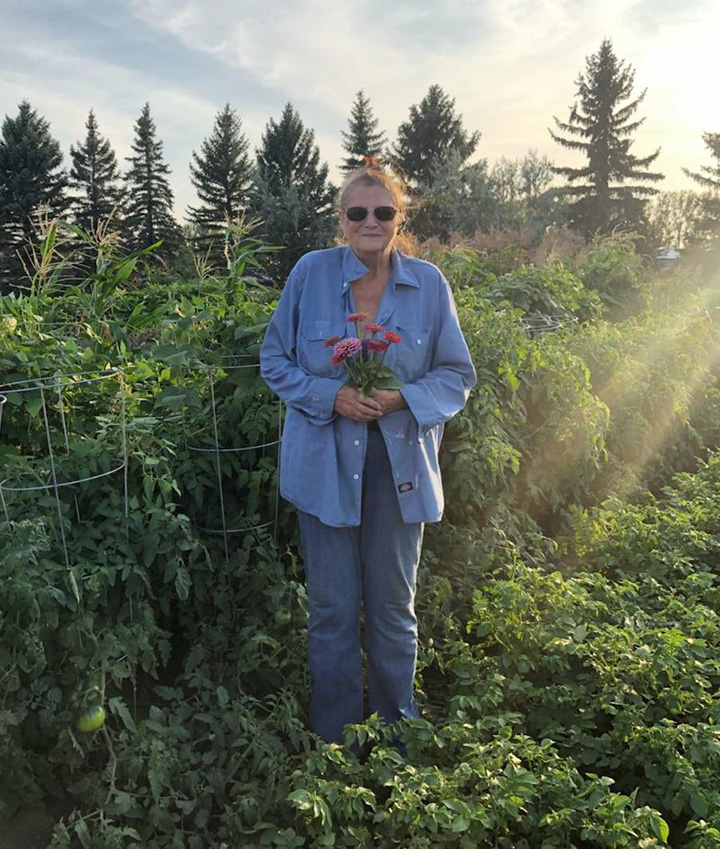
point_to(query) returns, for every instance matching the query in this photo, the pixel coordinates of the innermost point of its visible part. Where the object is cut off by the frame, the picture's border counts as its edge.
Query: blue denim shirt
(323, 453)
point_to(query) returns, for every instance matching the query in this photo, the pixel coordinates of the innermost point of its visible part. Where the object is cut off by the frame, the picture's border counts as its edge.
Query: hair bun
(372, 162)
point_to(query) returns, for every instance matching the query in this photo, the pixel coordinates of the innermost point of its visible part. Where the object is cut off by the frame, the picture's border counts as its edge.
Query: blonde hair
(373, 175)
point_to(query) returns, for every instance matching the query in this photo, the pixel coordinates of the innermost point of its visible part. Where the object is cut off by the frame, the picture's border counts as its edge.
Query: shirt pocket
(411, 358)
(312, 353)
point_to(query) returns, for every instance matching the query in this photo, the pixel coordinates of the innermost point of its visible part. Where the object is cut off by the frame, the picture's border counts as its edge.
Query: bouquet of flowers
(363, 354)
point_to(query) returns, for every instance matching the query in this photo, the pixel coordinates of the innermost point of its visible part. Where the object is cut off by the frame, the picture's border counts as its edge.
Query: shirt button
(419, 341)
(356, 476)
(357, 442)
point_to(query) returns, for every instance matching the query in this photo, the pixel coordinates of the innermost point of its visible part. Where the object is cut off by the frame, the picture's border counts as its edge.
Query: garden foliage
(568, 605)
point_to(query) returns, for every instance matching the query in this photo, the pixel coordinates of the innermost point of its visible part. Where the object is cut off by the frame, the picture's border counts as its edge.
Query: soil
(31, 827)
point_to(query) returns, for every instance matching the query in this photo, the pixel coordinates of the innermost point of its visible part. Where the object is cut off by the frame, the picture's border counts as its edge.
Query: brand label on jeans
(405, 487)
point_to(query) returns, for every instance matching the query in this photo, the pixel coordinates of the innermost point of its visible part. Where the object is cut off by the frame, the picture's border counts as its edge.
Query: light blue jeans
(374, 565)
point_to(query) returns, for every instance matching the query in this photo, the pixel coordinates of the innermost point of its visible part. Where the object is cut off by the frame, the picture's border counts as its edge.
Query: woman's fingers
(390, 400)
(370, 403)
(350, 403)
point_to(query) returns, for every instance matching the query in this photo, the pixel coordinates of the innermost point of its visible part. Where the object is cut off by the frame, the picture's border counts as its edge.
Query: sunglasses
(360, 213)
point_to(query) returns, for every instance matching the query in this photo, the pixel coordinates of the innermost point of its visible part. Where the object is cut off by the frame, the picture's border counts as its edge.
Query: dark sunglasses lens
(382, 213)
(385, 213)
(356, 213)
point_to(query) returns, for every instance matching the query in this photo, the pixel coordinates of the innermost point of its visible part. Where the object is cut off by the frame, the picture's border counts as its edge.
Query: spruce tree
(708, 224)
(221, 174)
(31, 178)
(430, 153)
(710, 176)
(148, 211)
(430, 135)
(608, 192)
(292, 194)
(95, 176)
(363, 138)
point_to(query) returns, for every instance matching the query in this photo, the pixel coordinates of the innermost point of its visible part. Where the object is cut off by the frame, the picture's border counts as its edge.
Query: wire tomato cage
(46, 466)
(208, 443)
(47, 397)
(535, 325)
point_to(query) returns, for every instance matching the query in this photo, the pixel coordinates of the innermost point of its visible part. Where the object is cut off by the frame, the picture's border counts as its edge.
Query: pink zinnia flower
(331, 341)
(358, 316)
(392, 338)
(374, 328)
(376, 345)
(345, 349)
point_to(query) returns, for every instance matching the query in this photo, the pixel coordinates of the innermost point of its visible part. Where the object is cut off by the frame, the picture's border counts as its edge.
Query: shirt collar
(401, 272)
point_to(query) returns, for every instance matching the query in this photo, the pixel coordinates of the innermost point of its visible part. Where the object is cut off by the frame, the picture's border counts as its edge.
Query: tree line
(286, 186)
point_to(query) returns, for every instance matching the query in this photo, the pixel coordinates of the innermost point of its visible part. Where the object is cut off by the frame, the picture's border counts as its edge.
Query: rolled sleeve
(443, 391)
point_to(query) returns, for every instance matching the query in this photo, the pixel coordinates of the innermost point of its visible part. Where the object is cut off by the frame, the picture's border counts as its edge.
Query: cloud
(71, 85)
(293, 48)
(510, 65)
(505, 63)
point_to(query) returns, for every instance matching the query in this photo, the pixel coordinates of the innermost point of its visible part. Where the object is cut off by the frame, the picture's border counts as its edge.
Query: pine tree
(607, 191)
(431, 134)
(95, 176)
(710, 178)
(431, 145)
(30, 179)
(221, 174)
(292, 194)
(148, 214)
(708, 223)
(363, 138)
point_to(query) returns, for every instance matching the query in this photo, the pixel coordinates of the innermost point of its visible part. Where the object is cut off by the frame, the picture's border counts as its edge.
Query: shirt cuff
(421, 406)
(321, 402)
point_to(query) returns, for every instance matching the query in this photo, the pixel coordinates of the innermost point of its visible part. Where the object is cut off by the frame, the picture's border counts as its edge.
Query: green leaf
(388, 382)
(460, 824)
(33, 403)
(579, 633)
(183, 582)
(123, 269)
(74, 586)
(120, 803)
(119, 708)
(699, 804)
(660, 828)
(83, 834)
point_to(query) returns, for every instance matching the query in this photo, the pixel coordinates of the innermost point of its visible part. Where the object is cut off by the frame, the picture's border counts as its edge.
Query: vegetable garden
(152, 606)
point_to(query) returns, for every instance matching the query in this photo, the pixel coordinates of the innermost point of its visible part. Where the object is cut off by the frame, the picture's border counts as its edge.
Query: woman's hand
(390, 400)
(351, 404)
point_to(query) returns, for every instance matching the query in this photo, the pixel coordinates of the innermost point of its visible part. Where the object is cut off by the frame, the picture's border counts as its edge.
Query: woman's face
(369, 236)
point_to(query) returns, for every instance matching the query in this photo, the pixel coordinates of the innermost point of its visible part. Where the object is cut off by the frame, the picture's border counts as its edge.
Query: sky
(510, 66)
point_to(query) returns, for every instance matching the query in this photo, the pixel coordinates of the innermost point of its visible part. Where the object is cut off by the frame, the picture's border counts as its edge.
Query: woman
(363, 472)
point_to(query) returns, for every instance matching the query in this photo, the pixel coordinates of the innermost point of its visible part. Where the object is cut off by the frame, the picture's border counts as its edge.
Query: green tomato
(283, 616)
(91, 719)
